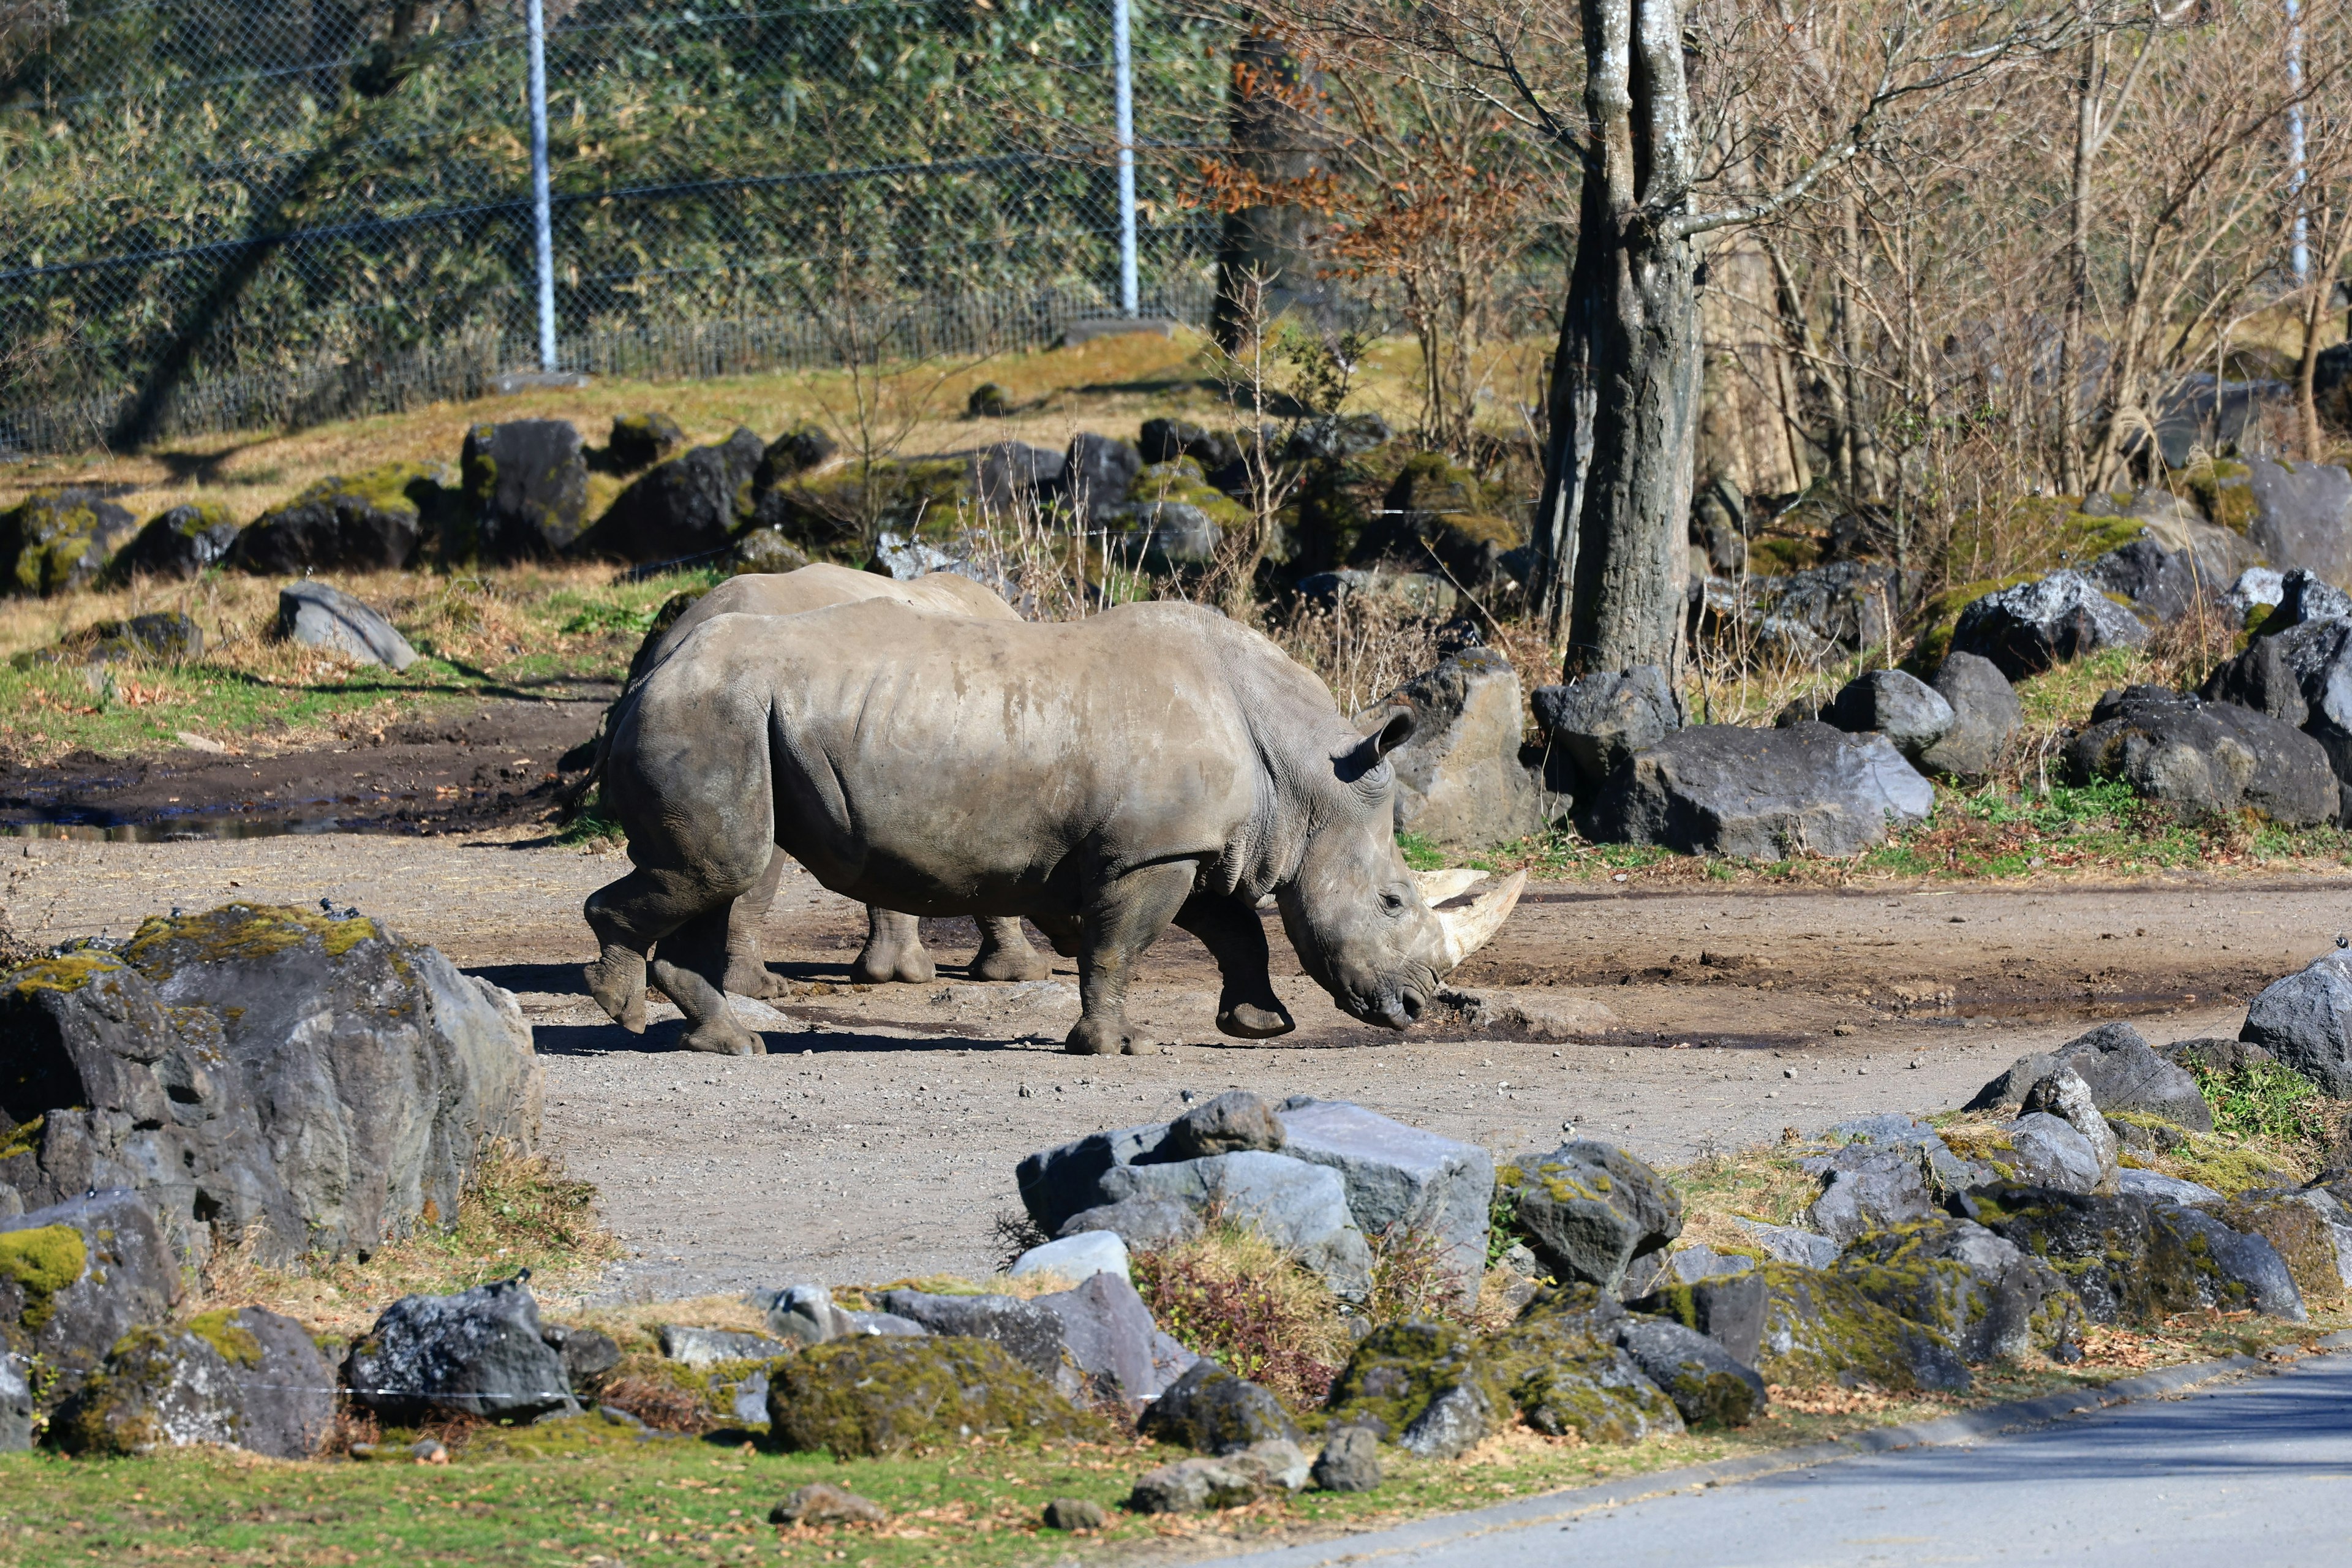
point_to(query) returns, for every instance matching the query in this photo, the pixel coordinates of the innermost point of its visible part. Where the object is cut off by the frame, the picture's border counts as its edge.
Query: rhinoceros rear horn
(1470, 923)
(1396, 727)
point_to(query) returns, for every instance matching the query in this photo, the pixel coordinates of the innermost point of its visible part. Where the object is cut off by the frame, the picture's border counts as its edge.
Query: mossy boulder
(164, 636)
(526, 484)
(1399, 1371)
(1820, 1328)
(686, 509)
(827, 512)
(874, 1396)
(1173, 518)
(2300, 1233)
(1561, 1365)
(2224, 491)
(2131, 1259)
(75, 1277)
(60, 540)
(1589, 1208)
(639, 441)
(179, 543)
(1709, 1386)
(1982, 1293)
(371, 521)
(765, 550)
(1438, 512)
(247, 1378)
(1216, 1412)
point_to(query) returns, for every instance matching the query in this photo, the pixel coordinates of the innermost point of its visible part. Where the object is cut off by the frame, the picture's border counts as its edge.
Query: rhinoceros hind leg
(1005, 954)
(688, 968)
(1247, 1007)
(747, 971)
(1124, 917)
(894, 950)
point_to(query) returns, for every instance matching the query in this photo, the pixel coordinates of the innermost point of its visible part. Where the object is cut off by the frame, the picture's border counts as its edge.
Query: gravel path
(879, 1138)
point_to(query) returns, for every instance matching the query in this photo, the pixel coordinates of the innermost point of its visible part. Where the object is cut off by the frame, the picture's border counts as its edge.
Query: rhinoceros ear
(1395, 729)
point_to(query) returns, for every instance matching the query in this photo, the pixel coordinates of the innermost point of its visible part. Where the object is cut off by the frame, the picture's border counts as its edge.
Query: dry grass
(1232, 1295)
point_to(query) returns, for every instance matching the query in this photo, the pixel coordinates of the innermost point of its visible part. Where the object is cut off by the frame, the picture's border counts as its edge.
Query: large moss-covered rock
(2132, 1259)
(75, 1277)
(249, 1378)
(1437, 512)
(178, 543)
(1402, 1372)
(60, 540)
(371, 521)
(1820, 1328)
(476, 1352)
(526, 484)
(873, 1396)
(1980, 1292)
(1216, 1411)
(686, 508)
(1589, 1208)
(1707, 1385)
(319, 1084)
(639, 441)
(2300, 1233)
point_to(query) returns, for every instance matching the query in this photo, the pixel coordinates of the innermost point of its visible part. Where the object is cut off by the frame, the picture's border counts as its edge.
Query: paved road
(2251, 1474)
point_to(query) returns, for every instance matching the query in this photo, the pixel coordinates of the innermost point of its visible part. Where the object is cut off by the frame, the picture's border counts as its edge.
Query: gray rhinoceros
(1105, 777)
(894, 941)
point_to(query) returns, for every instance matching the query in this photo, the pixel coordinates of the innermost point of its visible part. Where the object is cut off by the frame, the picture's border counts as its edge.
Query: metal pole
(542, 227)
(1123, 75)
(2302, 247)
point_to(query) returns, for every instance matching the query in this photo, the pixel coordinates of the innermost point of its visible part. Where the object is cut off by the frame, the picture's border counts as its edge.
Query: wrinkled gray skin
(893, 943)
(1155, 764)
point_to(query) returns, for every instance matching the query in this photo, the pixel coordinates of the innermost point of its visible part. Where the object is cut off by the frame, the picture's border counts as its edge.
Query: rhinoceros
(1105, 777)
(894, 941)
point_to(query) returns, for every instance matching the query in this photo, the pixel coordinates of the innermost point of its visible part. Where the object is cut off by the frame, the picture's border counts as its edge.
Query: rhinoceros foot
(617, 981)
(894, 950)
(1243, 1021)
(1095, 1037)
(1005, 954)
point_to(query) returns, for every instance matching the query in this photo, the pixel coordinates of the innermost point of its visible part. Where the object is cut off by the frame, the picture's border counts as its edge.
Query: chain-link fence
(224, 214)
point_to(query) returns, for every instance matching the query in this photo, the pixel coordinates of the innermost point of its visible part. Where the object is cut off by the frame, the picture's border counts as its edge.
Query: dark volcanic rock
(1979, 1291)
(1902, 708)
(178, 543)
(686, 507)
(59, 540)
(639, 441)
(2302, 516)
(1985, 714)
(2206, 757)
(478, 1353)
(373, 521)
(1030, 1333)
(1234, 1120)
(527, 481)
(2026, 630)
(2306, 1021)
(1721, 789)
(1706, 1384)
(1819, 1328)
(1210, 1410)
(1598, 722)
(1590, 1208)
(2165, 583)
(2132, 1259)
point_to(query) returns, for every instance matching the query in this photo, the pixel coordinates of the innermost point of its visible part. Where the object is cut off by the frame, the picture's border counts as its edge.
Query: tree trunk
(1275, 140)
(1625, 381)
(2073, 344)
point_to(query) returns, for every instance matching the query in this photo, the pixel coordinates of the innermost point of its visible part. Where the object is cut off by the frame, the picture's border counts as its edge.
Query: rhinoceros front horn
(1470, 923)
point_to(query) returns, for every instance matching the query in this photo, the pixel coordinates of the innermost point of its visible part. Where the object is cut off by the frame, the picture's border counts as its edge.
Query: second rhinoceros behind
(1106, 778)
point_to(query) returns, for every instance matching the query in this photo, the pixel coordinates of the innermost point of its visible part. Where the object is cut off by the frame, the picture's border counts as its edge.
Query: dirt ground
(879, 1138)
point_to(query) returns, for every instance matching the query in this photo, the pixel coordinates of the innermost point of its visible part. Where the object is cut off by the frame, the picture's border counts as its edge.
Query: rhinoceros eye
(1392, 903)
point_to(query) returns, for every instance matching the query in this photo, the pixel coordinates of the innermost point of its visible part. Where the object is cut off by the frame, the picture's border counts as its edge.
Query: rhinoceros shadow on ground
(611, 1039)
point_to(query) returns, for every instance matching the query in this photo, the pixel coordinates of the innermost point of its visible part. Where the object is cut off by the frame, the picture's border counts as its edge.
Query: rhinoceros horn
(1470, 922)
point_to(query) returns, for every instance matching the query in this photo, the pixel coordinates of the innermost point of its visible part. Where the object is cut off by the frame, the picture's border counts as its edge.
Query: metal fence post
(1123, 75)
(542, 227)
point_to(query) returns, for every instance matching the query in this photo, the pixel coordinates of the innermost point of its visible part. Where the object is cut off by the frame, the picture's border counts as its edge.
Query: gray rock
(1234, 1120)
(2132, 1182)
(1399, 1179)
(2009, 1089)
(528, 481)
(2164, 583)
(2134, 1260)
(589, 1354)
(2303, 596)
(1143, 1224)
(1415, 593)
(1192, 1486)
(1005, 473)
(1790, 1245)
(478, 1352)
(765, 550)
(1210, 1410)
(180, 542)
(1459, 780)
(2306, 1021)
(126, 1279)
(1451, 1424)
(1843, 607)
(285, 1389)
(159, 1389)
(1096, 473)
(2302, 516)
(2246, 1262)
(1763, 794)
(2216, 1054)
(1819, 1327)
(1109, 1341)
(888, 1323)
(2254, 585)
(1163, 535)
(313, 1083)
(16, 1404)
(1727, 1307)
(1982, 1292)
(2061, 1093)
(1596, 722)
(1298, 1206)
(805, 1315)
(1079, 1257)
(820, 1503)
(2125, 1073)
(2027, 629)
(1890, 1131)
(1689, 1265)
(2210, 758)
(320, 616)
(1058, 1183)
(1330, 437)
(1643, 1274)
(1030, 1332)
(1070, 1513)
(685, 508)
(1590, 1208)
(708, 1347)
(1865, 1189)
(1904, 709)
(1985, 714)
(1349, 1462)
(2048, 1152)
(1707, 1383)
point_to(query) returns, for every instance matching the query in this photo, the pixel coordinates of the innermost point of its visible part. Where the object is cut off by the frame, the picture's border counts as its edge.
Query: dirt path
(878, 1139)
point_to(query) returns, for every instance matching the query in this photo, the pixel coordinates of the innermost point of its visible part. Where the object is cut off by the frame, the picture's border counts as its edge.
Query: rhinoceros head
(1357, 915)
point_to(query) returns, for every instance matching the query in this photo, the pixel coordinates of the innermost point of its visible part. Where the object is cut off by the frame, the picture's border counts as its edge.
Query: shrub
(1234, 1297)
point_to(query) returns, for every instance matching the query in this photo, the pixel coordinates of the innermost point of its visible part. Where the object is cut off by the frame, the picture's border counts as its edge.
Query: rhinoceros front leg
(747, 967)
(1126, 916)
(894, 950)
(1004, 952)
(691, 966)
(1247, 1007)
